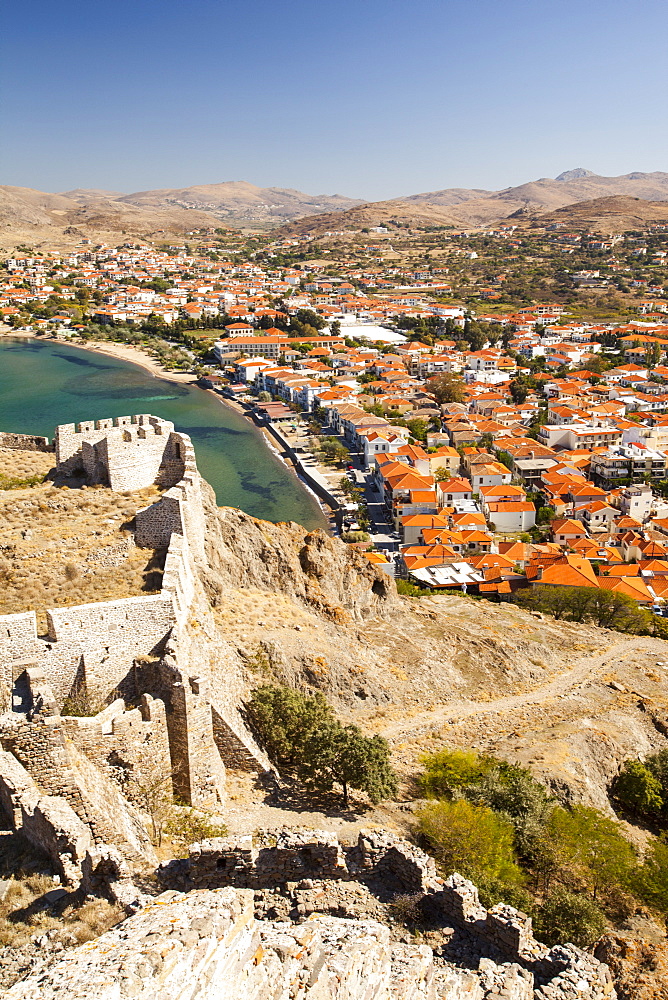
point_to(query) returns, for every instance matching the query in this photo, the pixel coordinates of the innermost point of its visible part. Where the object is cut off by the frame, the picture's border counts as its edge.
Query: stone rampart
(130, 745)
(207, 945)
(405, 869)
(24, 442)
(48, 822)
(125, 453)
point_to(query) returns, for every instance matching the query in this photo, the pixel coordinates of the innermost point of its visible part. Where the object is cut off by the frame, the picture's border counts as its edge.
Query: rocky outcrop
(207, 945)
(639, 966)
(309, 566)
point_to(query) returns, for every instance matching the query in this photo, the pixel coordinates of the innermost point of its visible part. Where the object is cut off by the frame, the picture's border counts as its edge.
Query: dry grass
(52, 541)
(23, 464)
(25, 911)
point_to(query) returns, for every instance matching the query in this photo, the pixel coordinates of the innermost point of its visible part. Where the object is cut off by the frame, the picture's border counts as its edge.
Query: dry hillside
(569, 700)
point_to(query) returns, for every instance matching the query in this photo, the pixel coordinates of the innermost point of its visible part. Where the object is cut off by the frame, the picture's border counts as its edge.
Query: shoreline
(122, 352)
(135, 356)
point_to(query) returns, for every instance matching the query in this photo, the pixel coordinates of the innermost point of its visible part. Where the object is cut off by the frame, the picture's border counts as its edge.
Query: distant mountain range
(26, 214)
(474, 207)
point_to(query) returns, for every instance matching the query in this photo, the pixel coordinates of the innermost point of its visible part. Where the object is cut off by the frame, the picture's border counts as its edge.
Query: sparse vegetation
(571, 869)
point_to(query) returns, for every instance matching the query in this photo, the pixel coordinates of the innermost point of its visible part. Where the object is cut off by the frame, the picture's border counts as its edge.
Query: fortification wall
(207, 945)
(562, 972)
(48, 822)
(91, 644)
(129, 745)
(24, 442)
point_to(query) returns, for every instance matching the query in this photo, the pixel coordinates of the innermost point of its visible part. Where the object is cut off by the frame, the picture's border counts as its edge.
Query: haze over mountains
(26, 214)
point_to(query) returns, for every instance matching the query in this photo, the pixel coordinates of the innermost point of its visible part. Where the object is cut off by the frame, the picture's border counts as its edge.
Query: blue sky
(369, 99)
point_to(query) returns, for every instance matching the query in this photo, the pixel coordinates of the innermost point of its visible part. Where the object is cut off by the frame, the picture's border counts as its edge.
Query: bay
(45, 383)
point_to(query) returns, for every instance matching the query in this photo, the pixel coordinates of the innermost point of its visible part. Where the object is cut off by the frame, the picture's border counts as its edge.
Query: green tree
(652, 883)
(636, 788)
(591, 849)
(284, 721)
(568, 916)
(442, 474)
(342, 755)
(446, 388)
(418, 428)
(471, 840)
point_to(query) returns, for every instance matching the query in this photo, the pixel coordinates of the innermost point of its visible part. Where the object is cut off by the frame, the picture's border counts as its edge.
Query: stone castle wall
(561, 972)
(25, 442)
(95, 644)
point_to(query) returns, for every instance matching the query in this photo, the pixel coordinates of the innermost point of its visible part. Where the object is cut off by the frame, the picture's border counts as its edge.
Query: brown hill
(468, 207)
(33, 216)
(609, 215)
(240, 203)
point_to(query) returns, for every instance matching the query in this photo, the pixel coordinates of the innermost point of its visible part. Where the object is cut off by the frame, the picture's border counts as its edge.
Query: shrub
(568, 916)
(472, 840)
(652, 881)
(636, 788)
(591, 849)
(449, 770)
(407, 589)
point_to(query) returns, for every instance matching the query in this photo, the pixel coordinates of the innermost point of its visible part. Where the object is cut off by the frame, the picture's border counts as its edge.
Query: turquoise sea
(44, 383)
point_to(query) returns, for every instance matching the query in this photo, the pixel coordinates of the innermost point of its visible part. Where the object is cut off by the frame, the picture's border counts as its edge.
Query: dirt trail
(582, 670)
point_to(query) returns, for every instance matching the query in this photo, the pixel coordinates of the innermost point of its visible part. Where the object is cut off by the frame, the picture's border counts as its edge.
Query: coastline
(122, 352)
(135, 356)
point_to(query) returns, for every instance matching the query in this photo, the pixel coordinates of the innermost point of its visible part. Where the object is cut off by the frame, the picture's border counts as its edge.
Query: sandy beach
(125, 352)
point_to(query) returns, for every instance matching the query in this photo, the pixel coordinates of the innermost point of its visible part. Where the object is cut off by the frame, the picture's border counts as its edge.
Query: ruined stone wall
(207, 945)
(24, 442)
(129, 745)
(403, 868)
(48, 822)
(91, 644)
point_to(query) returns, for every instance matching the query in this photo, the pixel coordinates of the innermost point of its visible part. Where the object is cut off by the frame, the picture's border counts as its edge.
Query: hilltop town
(485, 413)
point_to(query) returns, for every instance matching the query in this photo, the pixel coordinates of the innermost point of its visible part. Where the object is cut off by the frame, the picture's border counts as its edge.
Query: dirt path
(581, 671)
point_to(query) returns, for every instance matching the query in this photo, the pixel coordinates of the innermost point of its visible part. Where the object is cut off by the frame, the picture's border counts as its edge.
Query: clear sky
(360, 97)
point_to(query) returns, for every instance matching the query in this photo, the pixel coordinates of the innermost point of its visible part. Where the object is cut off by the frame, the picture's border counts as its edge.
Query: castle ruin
(66, 787)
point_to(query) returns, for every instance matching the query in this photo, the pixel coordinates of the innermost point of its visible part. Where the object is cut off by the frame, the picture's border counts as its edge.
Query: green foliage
(472, 840)
(605, 608)
(19, 483)
(332, 450)
(568, 916)
(592, 848)
(418, 428)
(186, 826)
(408, 589)
(442, 474)
(285, 719)
(637, 789)
(449, 770)
(342, 755)
(446, 388)
(652, 882)
(302, 736)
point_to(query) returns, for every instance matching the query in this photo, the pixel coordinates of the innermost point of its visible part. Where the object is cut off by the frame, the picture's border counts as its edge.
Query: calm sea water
(43, 384)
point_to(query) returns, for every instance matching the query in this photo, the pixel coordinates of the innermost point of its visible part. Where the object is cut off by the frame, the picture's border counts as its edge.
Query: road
(581, 671)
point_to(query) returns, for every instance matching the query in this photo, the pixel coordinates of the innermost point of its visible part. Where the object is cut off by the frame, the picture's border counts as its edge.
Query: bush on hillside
(302, 736)
(637, 789)
(568, 916)
(472, 840)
